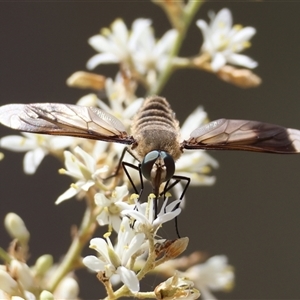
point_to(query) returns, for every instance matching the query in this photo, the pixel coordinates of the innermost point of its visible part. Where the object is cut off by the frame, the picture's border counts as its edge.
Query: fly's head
(158, 167)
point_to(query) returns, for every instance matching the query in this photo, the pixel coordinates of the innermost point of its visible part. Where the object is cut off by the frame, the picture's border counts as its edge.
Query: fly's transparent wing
(226, 134)
(64, 119)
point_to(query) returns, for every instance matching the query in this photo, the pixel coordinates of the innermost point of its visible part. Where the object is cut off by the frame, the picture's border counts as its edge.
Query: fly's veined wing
(244, 135)
(64, 119)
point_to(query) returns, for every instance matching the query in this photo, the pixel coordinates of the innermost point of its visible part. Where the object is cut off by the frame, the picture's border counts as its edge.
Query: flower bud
(67, 289)
(16, 228)
(43, 264)
(7, 283)
(45, 295)
(22, 273)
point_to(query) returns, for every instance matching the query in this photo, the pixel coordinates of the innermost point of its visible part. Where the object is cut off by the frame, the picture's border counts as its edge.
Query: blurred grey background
(251, 214)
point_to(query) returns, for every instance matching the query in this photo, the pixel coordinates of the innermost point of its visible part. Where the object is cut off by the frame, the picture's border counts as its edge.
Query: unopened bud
(43, 264)
(16, 228)
(45, 295)
(67, 289)
(21, 272)
(7, 283)
(88, 100)
(86, 80)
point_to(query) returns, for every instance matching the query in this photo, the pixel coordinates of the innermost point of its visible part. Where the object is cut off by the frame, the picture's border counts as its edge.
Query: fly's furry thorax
(156, 128)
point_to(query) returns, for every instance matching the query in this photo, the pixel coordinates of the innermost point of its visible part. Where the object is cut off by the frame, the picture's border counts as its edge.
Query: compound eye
(169, 164)
(148, 162)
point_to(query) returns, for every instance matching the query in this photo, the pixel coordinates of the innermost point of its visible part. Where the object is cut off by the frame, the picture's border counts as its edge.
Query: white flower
(115, 260)
(213, 275)
(194, 164)
(84, 169)
(112, 207)
(118, 105)
(138, 50)
(223, 42)
(151, 56)
(121, 90)
(118, 44)
(36, 146)
(144, 214)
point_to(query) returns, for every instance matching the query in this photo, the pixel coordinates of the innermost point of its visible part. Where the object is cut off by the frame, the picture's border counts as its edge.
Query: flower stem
(189, 11)
(72, 258)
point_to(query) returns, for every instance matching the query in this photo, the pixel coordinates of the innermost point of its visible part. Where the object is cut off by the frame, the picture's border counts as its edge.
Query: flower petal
(32, 160)
(242, 60)
(93, 263)
(138, 27)
(245, 34)
(17, 143)
(100, 246)
(165, 43)
(120, 31)
(87, 185)
(203, 26)
(222, 20)
(129, 278)
(99, 43)
(194, 120)
(101, 200)
(69, 193)
(102, 58)
(218, 62)
(121, 192)
(59, 142)
(133, 247)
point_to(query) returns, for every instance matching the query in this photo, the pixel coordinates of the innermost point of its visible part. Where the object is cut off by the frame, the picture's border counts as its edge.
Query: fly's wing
(64, 119)
(225, 134)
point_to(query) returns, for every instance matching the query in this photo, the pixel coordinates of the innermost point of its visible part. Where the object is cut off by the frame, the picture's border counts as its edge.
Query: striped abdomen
(156, 128)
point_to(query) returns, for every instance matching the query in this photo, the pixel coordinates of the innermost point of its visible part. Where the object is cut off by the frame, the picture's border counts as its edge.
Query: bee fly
(155, 137)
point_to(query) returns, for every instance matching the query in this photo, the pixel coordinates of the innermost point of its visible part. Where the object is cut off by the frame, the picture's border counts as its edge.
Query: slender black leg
(168, 186)
(137, 168)
(129, 165)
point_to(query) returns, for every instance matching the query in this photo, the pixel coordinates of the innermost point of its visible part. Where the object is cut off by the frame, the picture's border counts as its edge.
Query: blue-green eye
(166, 160)
(169, 164)
(148, 162)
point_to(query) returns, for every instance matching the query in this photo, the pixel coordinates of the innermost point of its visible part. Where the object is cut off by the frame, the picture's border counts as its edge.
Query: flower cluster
(18, 280)
(137, 51)
(223, 42)
(131, 246)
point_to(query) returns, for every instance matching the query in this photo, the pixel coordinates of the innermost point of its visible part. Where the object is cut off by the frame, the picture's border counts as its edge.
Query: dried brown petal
(240, 77)
(86, 80)
(171, 249)
(176, 288)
